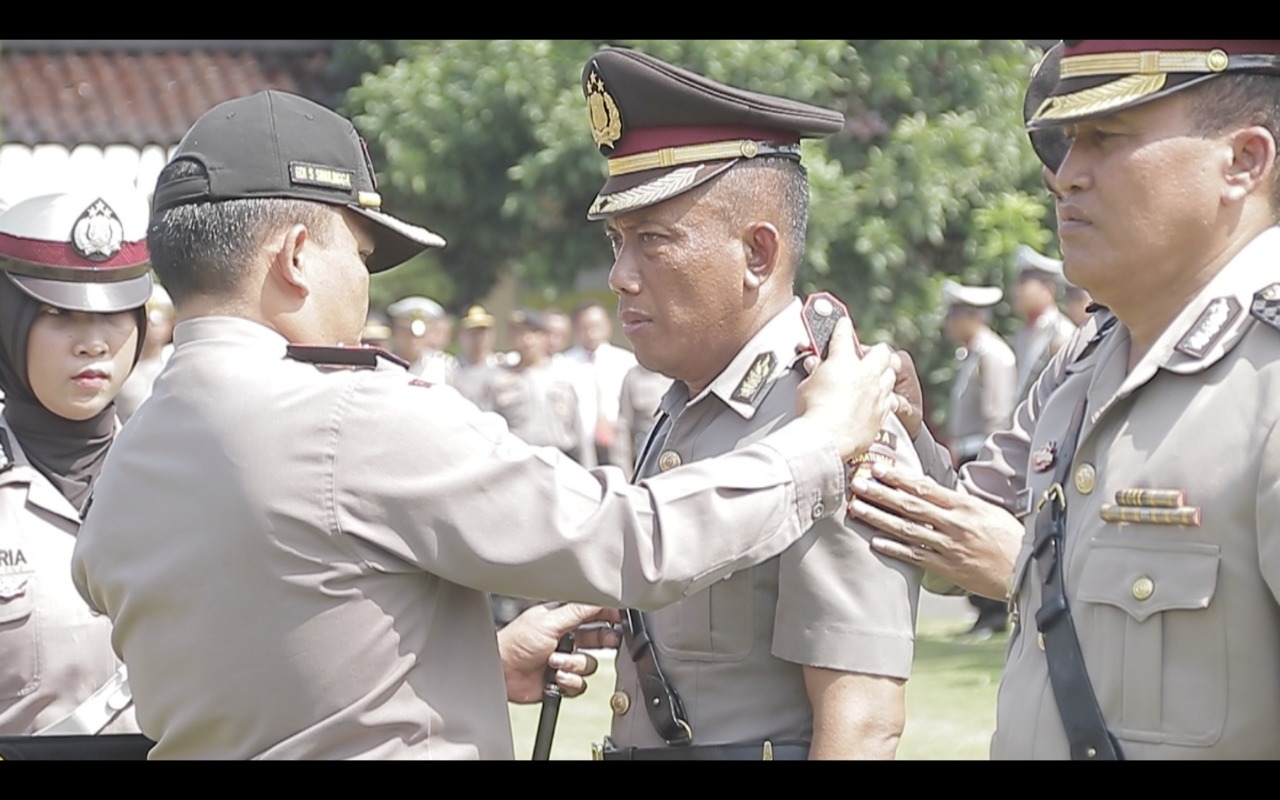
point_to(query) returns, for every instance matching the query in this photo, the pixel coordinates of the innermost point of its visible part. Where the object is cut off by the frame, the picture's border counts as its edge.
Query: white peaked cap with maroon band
(82, 250)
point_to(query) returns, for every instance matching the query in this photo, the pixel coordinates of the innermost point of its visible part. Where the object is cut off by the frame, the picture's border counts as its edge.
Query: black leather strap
(762, 751)
(103, 747)
(1077, 703)
(661, 701)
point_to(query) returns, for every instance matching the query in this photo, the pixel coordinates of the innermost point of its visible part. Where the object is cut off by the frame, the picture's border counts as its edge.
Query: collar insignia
(606, 120)
(1266, 306)
(97, 234)
(753, 381)
(1209, 327)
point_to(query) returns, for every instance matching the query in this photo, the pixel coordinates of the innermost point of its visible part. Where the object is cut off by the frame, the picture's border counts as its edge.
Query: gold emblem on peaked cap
(98, 234)
(606, 121)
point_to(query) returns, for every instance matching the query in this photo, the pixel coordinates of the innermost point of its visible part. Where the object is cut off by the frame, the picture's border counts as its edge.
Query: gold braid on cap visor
(1143, 74)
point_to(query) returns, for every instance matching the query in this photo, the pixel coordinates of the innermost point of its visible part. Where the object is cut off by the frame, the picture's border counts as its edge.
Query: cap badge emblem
(606, 121)
(97, 234)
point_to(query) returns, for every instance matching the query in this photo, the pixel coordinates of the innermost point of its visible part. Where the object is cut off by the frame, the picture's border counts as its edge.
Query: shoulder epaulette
(1266, 306)
(342, 356)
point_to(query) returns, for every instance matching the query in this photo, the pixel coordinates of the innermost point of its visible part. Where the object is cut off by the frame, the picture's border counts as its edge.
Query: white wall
(27, 171)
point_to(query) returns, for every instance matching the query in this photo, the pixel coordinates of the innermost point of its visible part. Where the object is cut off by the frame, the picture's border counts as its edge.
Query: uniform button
(1090, 753)
(818, 510)
(619, 703)
(670, 459)
(1086, 476)
(1143, 588)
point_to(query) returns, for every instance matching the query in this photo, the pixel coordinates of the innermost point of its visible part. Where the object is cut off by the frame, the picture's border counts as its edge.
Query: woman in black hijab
(74, 278)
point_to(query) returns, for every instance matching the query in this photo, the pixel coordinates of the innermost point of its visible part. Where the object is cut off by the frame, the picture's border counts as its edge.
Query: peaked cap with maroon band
(83, 250)
(1102, 76)
(666, 130)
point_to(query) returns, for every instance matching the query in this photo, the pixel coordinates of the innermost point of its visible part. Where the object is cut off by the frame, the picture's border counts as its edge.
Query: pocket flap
(1146, 577)
(17, 597)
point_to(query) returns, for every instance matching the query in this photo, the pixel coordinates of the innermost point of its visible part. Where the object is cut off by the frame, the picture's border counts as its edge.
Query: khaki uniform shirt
(538, 406)
(1179, 624)
(1036, 343)
(296, 557)
(642, 392)
(54, 652)
(736, 651)
(982, 397)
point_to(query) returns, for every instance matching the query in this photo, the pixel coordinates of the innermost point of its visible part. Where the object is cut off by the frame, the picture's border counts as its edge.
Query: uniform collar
(231, 330)
(1216, 319)
(40, 492)
(743, 384)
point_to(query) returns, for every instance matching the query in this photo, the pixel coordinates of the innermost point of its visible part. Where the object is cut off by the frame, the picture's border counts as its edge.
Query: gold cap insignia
(606, 121)
(97, 234)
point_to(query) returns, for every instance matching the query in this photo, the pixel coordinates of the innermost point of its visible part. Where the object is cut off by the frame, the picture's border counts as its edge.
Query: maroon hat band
(59, 260)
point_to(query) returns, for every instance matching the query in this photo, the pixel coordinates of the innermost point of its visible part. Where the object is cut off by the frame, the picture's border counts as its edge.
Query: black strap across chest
(1086, 728)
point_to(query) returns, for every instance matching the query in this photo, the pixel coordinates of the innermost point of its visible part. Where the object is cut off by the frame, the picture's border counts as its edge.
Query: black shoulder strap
(1072, 690)
(342, 356)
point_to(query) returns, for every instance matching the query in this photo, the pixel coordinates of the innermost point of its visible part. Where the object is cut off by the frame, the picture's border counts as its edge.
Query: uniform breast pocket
(716, 624)
(1152, 622)
(19, 637)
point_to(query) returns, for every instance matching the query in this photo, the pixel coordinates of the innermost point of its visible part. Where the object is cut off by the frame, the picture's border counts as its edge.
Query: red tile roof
(139, 93)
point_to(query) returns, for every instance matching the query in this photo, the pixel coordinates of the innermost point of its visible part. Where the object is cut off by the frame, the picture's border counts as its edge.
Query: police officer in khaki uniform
(1145, 461)
(476, 357)
(806, 655)
(982, 396)
(1045, 329)
(538, 405)
(294, 541)
(419, 333)
(73, 281)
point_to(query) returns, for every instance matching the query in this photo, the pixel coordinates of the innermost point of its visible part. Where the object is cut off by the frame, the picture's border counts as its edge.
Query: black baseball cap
(276, 144)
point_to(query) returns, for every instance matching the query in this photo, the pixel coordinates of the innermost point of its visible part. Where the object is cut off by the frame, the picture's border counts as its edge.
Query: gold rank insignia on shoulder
(1042, 459)
(1209, 327)
(754, 380)
(1151, 506)
(606, 120)
(1266, 306)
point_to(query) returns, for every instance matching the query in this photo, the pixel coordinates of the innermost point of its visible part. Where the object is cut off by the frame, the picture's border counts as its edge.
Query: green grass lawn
(951, 702)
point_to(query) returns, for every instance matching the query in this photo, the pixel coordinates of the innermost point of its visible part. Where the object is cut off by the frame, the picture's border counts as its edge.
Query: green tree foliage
(487, 143)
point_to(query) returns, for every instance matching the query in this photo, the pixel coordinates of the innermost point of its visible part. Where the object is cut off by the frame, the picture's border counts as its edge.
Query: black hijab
(67, 452)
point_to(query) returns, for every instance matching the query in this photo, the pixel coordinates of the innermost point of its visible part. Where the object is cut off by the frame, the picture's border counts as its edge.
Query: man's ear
(1253, 163)
(763, 249)
(292, 258)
